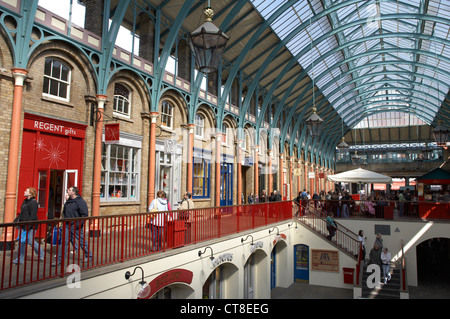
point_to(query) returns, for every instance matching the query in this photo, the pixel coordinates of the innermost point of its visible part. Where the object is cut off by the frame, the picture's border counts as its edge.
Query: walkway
(305, 291)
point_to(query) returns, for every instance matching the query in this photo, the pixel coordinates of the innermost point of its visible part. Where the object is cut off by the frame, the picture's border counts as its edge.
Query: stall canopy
(436, 176)
(360, 176)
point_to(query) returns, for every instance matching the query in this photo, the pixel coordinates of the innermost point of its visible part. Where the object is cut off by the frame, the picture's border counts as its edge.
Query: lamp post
(208, 44)
(314, 123)
(441, 133)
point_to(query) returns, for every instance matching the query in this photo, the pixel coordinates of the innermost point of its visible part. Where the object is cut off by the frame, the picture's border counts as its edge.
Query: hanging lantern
(441, 133)
(342, 146)
(208, 44)
(314, 123)
(356, 159)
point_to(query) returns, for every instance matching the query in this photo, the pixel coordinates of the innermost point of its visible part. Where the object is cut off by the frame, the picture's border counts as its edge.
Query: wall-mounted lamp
(289, 225)
(242, 239)
(142, 288)
(278, 232)
(200, 253)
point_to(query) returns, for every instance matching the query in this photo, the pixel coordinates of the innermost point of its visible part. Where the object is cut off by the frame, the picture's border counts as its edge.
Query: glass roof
(371, 58)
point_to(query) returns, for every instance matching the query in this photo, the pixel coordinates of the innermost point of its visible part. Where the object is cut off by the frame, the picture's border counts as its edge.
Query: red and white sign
(53, 126)
(112, 133)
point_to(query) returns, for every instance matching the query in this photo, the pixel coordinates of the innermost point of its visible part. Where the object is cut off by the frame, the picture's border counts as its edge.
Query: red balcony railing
(100, 241)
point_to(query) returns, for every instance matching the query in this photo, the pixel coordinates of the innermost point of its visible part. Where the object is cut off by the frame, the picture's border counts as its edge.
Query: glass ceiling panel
(330, 79)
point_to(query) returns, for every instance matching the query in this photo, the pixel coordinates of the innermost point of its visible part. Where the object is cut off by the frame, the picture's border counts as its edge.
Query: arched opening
(433, 264)
(255, 272)
(174, 291)
(222, 283)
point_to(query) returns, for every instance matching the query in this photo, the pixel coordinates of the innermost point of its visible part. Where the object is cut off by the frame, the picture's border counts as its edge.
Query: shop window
(56, 80)
(167, 114)
(201, 178)
(199, 125)
(122, 103)
(120, 172)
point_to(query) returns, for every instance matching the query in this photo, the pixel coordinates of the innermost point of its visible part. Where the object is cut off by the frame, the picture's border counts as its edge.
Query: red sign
(53, 126)
(170, 277)
(321, 175)
(112, 133)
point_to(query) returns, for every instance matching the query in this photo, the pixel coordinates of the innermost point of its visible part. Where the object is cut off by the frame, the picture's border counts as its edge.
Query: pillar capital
(19, 75)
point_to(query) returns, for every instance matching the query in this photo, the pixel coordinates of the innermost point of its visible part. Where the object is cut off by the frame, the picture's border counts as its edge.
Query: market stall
(362, 176)
(433, 191)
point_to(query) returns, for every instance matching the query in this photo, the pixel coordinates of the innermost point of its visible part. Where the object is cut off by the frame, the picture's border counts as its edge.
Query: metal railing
(342, 237)
(384, 209)
(99, 241)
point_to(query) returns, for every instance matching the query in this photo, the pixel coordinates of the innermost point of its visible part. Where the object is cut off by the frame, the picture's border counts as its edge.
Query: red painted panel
(170, 277)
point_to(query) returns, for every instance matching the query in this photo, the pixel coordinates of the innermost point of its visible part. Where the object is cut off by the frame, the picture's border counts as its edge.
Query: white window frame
(132, 181)
(199, 125)
(124, 99)
(168, 115)
(59, 80)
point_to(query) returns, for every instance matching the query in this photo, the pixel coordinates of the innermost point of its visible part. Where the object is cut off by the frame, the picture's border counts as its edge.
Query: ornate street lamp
(356, 159)
(314, 123)
(208, 44)
(342, 146)
(441, 133)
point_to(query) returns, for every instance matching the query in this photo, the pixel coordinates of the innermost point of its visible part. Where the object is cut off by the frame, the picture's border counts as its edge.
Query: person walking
(28, 212)
(331, 226)
(74, 207)
(158, 219)
(379, 241)
(188, 217)
(362, 239)
(386, 261)
(375, 255)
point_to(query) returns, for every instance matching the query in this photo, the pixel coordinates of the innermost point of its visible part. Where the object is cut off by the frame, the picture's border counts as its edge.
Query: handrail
(104, 240)
(343, 237)
(403, 279)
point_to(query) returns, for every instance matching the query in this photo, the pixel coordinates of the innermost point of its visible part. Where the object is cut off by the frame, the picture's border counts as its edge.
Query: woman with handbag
(28, 212)
(158, 219)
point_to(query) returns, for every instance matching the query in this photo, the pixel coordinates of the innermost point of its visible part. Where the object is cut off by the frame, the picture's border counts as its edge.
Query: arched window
(167, 114)
(56, 80)
(121, 100)
(199, 125)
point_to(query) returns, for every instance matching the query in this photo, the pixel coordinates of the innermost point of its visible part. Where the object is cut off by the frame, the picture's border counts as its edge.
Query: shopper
(375, 255)
(331, 226)
(362, 239)
(379, 241)
(158, 219)
(187, 216)
(386, 261)
(28, 213)
(74, 207)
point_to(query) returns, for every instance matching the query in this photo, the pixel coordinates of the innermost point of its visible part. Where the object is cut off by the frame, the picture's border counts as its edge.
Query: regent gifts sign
(53, 126)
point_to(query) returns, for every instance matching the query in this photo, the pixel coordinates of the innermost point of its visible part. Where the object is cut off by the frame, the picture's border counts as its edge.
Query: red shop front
(51, 161)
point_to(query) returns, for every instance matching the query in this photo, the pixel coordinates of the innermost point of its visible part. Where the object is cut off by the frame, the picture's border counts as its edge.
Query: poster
(325, 260)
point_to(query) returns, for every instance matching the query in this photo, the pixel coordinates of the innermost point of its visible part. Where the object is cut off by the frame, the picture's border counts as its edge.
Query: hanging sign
(112, 133)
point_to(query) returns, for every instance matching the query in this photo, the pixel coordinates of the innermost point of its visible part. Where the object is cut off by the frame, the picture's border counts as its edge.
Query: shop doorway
(301, 266)
(226, 184)
(168, 168)
(52, 188)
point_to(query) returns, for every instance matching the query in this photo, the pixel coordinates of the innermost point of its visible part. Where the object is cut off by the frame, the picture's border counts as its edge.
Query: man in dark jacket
(74, 207)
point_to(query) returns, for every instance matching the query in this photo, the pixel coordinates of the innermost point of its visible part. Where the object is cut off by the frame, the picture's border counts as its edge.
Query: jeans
(386, 269)
(157, 237)
(31, 242)
(75, 235)
(345, 212)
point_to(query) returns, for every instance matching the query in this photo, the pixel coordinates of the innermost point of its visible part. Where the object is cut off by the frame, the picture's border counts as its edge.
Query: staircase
(390, 290)
(344, 239)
